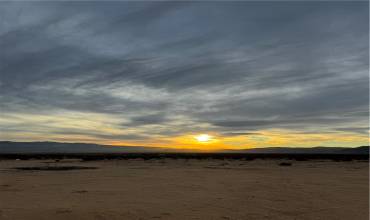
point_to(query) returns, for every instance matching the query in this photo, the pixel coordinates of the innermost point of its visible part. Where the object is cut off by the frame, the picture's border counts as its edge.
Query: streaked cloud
(156, 73)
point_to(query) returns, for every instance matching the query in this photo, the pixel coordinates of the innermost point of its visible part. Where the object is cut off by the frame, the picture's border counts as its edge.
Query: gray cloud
(239, 133)
(361, 130)
(219, 66)
(148, 119)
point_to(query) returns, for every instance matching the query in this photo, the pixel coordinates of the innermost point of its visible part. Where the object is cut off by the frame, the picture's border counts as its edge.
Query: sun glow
(203, 138)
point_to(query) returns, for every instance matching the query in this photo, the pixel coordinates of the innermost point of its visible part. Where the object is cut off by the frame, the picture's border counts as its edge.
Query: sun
(203, 138)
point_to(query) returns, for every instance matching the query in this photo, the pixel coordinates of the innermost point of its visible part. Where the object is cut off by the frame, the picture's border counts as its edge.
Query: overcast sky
(153, 73)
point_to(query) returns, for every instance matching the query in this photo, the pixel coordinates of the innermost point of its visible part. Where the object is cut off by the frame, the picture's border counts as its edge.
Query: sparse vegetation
(285, 164)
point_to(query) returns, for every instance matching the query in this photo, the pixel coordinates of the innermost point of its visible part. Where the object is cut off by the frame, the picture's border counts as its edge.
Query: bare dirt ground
(185, 189)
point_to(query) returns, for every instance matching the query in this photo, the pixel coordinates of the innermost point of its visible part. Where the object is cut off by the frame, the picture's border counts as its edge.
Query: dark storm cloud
(228, 66)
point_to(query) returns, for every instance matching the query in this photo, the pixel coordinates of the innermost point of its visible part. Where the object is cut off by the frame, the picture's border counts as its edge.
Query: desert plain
(185, 189)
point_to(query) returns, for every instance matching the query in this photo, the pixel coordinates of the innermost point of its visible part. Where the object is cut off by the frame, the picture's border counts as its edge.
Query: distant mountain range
(57, 147)
(311, 150)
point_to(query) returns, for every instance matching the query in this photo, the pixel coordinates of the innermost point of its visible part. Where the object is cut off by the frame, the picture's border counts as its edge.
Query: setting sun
(203, 138)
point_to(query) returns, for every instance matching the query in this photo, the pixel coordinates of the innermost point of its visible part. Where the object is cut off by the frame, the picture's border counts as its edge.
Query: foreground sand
(186, 189)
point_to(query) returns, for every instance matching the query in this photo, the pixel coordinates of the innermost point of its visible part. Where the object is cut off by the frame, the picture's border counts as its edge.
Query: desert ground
(185, 189)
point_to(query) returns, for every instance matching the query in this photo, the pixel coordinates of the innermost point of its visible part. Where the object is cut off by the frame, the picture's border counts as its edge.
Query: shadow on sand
(55, 168)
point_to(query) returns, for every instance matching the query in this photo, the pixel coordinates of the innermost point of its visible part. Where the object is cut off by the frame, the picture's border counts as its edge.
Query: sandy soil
(186, 189)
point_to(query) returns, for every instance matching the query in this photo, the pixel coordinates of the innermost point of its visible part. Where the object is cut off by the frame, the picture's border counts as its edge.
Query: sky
(199, 75)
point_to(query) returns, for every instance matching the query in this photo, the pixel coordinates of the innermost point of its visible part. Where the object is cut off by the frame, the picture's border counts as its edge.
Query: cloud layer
(149, 71)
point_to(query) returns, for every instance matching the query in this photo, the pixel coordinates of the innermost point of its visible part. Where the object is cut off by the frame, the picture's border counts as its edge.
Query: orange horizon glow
(274, 138)
(208, 141)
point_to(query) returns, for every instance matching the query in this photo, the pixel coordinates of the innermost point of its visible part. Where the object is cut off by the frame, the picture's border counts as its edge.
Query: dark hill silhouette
(57, 147)
(312, 150)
